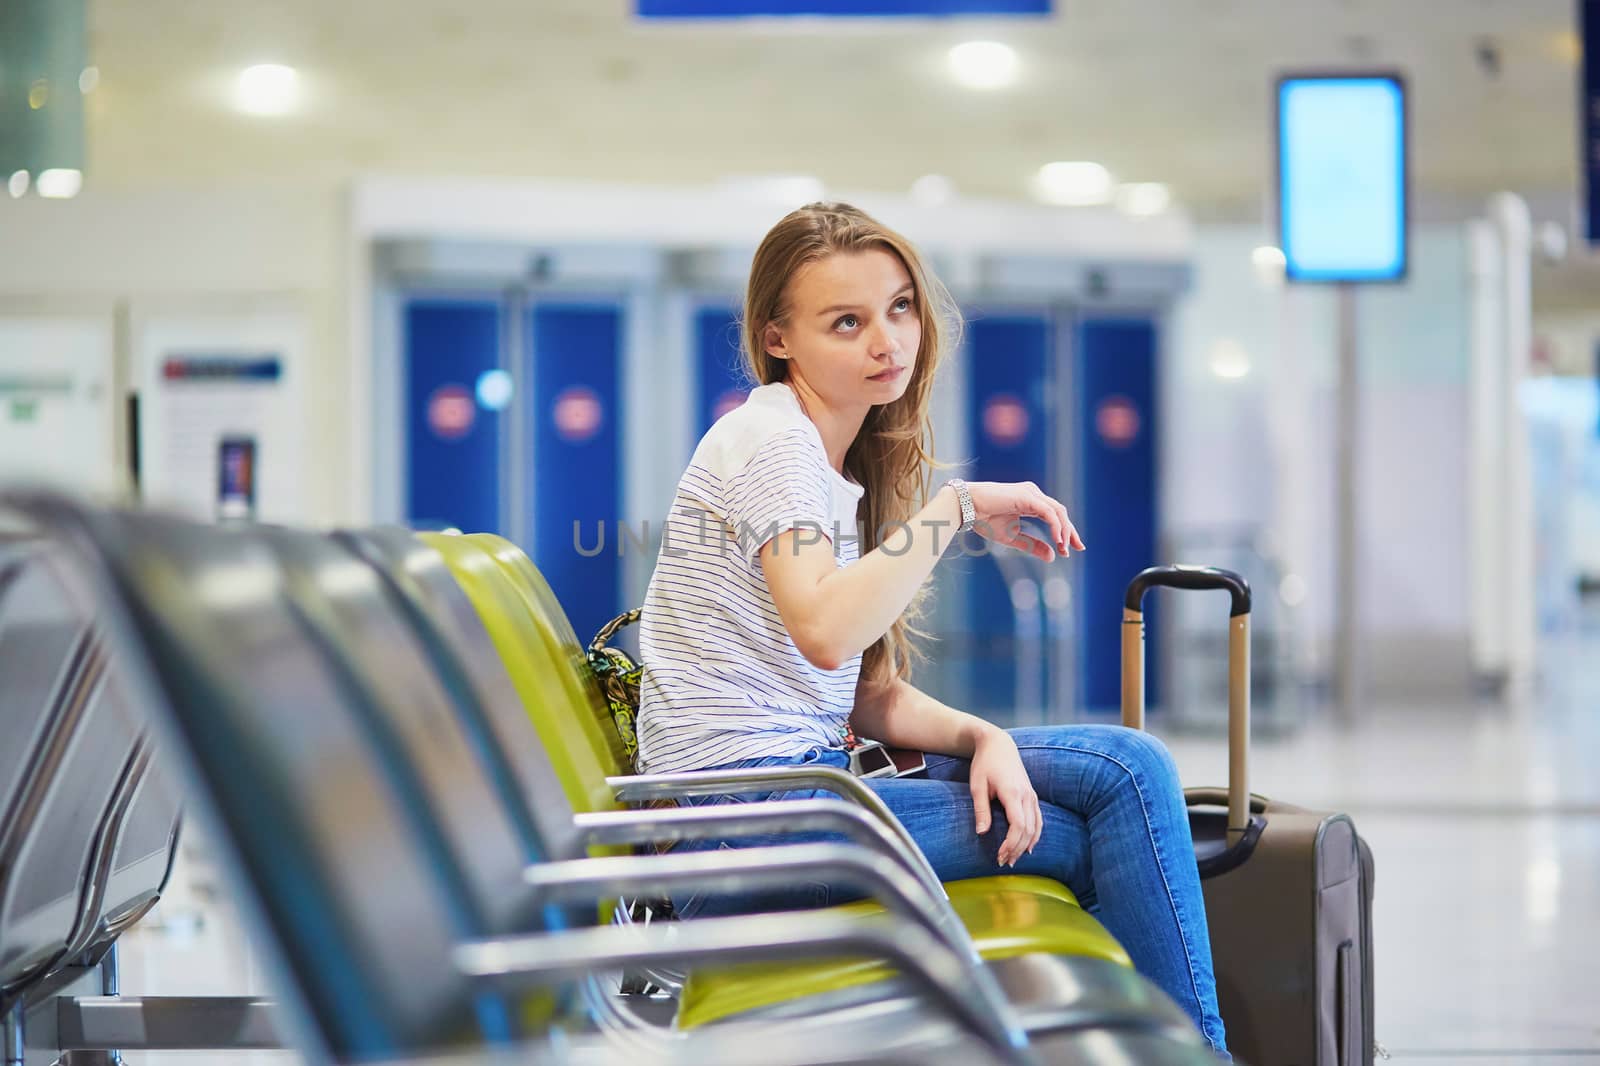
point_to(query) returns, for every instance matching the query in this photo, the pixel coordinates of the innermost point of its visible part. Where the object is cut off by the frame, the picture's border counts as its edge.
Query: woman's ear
(772, 342)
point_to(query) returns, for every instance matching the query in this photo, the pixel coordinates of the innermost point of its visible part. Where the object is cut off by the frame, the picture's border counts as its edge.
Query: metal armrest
(739, 870)
(976, 1005)
(719, 1045)
(742, 819)
(638, 788)
(747, 819)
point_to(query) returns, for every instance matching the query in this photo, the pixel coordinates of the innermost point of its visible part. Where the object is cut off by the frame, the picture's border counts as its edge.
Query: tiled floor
(1485, 824)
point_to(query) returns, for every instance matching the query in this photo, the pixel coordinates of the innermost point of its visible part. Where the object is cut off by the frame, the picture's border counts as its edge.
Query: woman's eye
(846, 322)
(903, 304)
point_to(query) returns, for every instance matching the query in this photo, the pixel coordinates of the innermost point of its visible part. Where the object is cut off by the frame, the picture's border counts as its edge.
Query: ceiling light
(984, 64)
(268, 89)
(1143, 198)
(1229, 360)
(18, 185)
(1073, 184)
(60, 184)
(932, 190)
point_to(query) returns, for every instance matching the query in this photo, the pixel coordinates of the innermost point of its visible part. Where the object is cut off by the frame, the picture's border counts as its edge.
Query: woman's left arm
(901, 716)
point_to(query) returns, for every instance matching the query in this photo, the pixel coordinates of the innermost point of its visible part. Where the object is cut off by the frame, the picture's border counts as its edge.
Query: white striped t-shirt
(723, 680)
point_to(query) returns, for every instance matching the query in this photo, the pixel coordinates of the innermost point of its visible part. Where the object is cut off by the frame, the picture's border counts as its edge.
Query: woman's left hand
(997, 774)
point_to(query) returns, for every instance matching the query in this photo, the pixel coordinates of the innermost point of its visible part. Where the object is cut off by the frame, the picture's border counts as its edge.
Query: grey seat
(482, 696)
(360, 914)
(67, 783)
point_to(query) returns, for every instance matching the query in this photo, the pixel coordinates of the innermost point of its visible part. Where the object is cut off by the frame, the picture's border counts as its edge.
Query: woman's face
(853, 329)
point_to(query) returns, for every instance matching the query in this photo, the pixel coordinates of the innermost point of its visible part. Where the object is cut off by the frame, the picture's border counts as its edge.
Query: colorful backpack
(619, 681)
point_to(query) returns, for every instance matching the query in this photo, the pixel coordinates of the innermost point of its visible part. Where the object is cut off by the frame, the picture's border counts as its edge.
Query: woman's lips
(888, 375)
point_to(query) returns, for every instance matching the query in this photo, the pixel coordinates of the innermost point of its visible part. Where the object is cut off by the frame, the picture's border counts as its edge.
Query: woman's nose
(882, 340)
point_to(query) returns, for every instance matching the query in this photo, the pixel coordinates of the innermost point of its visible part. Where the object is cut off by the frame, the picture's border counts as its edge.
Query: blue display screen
(1342, 178)
(714, 9)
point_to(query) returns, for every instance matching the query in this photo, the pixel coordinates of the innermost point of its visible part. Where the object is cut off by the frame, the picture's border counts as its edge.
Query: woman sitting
(776, 628)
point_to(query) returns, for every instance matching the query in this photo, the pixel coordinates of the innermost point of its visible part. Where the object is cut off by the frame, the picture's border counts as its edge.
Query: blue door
(722, 379)
(452, 439)
(575, 485)
(1010, 382)
(1116, 361)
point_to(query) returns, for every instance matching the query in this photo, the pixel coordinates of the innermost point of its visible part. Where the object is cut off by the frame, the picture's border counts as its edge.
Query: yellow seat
(1009, 915)
(546, 668)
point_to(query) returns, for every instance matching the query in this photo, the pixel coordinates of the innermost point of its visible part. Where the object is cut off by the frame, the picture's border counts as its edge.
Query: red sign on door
(451, 412)
(577, 413)
(1117, 421)
(1005, 420)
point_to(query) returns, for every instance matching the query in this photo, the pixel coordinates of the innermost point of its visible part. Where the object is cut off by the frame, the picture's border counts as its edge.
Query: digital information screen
(1342, 181)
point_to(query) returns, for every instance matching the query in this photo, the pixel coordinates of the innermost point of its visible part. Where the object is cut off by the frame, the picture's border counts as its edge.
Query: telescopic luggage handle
(1198, 577)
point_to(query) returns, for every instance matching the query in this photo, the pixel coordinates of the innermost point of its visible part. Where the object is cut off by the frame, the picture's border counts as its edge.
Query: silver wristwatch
(969, 514)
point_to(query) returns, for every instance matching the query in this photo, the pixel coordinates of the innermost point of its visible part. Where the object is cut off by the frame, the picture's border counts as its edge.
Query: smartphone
(871, 759)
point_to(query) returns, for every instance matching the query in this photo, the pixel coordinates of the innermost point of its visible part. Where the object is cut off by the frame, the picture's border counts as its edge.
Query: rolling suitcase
(1288, 891)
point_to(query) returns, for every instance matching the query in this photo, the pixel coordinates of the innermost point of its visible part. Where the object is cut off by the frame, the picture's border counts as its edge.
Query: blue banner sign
(1342, 177)
(728, 9)
(214, 369)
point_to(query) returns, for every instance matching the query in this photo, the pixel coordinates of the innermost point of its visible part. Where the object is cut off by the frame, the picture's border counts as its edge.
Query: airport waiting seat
(1014, 922)
(88, 821)
(361, 623)
(73, 762)
(1009, 917)
(339, 857)
(351, 874)
(440, 725)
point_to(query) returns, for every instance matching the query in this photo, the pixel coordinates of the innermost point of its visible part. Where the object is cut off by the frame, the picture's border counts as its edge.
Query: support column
(1349, 682)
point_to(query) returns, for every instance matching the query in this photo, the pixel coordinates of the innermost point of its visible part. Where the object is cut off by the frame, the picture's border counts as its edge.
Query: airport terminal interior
(350, 357)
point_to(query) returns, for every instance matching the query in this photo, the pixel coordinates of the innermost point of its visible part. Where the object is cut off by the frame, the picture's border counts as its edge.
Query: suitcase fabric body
(1288, 891)
(1291, 941)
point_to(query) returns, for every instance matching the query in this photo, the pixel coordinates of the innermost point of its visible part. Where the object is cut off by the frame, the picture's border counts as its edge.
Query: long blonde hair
(892, 456)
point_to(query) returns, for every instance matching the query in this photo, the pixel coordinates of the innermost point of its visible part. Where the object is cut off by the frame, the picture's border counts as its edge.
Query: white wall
(210, 250)
(1258, 450)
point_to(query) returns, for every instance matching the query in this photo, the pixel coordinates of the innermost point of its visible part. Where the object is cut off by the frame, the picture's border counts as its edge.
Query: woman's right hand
(1001, 506)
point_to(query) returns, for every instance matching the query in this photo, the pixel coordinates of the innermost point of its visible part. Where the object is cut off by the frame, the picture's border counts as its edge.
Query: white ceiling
(1176, 91)
(1157, 90)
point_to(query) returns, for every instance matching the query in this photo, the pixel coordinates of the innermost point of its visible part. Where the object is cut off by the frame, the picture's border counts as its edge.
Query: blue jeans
(1116, 833)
